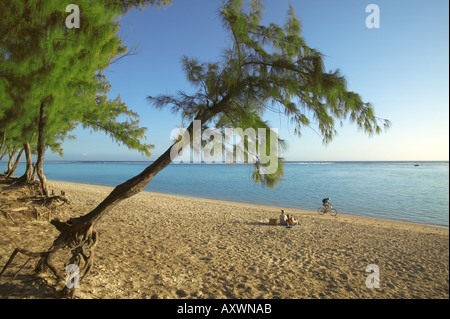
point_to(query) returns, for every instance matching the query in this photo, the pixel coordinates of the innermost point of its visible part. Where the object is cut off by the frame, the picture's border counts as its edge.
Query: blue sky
(401, 68)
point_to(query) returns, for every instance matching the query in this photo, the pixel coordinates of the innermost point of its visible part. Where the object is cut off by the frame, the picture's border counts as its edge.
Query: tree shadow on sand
(26, 286)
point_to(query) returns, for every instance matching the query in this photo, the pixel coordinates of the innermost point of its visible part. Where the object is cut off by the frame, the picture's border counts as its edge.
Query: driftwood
(18, 209)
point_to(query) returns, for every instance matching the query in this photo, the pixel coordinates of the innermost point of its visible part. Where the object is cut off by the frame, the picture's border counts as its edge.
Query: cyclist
(326, 203)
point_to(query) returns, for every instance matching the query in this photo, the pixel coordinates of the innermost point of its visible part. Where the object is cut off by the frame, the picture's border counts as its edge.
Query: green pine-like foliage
(268, 68)
(41, 60)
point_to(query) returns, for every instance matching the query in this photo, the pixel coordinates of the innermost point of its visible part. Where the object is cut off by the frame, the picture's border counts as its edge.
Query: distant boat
(416, 164)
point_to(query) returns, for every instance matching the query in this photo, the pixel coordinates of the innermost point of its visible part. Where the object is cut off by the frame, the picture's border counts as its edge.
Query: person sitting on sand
(291, 221)
(283, 218)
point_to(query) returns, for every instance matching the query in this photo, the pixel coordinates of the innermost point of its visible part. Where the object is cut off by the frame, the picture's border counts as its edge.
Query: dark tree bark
(41, 149)
(13, 169)
(2, 143)
(10, 162)
(27, 177)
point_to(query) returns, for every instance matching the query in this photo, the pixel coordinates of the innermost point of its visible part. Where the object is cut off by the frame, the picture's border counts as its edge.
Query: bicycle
(327, 209)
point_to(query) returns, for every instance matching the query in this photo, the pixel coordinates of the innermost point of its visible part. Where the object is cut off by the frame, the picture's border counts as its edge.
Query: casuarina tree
(265, 67)
(52, 75)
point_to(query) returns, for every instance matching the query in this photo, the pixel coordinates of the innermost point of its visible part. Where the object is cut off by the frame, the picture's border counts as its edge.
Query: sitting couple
(286, 220)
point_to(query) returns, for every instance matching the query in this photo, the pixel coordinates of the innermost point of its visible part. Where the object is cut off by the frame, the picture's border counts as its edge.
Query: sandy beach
(164, 246)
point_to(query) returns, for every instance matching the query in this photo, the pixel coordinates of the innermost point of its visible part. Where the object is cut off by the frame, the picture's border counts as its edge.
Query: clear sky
(402, 68)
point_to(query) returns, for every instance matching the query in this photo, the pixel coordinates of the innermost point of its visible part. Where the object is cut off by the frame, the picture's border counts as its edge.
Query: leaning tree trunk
(13, 169)
(10, 162)
(78, 234)
(41, 150)
(2, 143)
(27, 177)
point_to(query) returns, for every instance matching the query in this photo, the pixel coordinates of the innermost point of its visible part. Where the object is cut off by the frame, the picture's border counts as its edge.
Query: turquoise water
(389, 190)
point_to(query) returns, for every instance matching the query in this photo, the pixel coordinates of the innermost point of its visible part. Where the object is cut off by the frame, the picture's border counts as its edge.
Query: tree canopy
(268, 68)
(51, 76)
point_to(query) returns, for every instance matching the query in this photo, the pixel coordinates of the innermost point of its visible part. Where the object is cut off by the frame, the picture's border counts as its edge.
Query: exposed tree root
(46, 201)
(77, 237)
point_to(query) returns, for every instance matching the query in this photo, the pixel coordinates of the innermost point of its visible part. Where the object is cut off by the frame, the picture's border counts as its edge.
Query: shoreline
(423, 205)
(297, 211)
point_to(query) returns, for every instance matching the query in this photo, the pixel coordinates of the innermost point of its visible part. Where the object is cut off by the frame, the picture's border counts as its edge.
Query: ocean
(389, 190)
